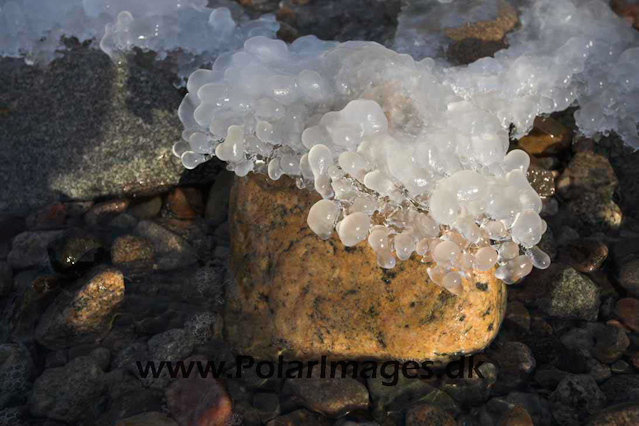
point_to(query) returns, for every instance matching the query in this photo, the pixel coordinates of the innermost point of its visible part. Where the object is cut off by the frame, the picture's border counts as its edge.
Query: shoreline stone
(298, 296)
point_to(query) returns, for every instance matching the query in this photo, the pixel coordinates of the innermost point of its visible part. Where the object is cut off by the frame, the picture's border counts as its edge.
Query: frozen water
(412, 155)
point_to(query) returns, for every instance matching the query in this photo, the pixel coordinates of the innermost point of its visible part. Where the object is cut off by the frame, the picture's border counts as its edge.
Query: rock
(547, 137)
(518, 416)
(617, 415)
(218, 199)
(102, 213)
(587, 172)
(102, 357)
(52, 216)
(621, 388)
(332, 397)
(292, 290)
(109, 130)
(628, 275)
(517, 315)
(575, 399)
(171, 345)
(591, 213)
(146, 209)
(425, 415)
(185, 203)
(627, 310)
(598, 371)
(537, 407)
(6, 279)
(542, 180)
(441, 399)
(198, 401)
(132, 253)
(471, 390)
(171, 250)
(16, 371)
(124, 221)
(395, 398)
(71, 393)
(610, 344)
(299, 418)
(147, 419)
(516, 362)
(560, 292)
(585, 255)
(621, 367)
(267, 405)
(83, 315)
(30, 249)
(549, 377)
(76, 251)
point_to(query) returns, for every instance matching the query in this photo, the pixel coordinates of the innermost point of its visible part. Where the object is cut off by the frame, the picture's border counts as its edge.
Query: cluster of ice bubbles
(185, 28)
(411, 156)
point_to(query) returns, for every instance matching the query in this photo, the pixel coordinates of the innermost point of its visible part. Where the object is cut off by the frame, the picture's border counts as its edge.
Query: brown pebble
(185, 203)
(518, 416)
(428, 415)
(627, 311)
(548, 137)
(586, 255)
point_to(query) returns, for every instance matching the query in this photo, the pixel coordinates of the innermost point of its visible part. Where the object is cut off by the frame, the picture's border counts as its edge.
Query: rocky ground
(139, 270)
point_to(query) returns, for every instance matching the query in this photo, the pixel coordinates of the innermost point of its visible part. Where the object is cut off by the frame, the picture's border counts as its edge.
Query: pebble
(585, 255)
(147, 208)
(198, 401)
(84, 315)
(628, 275)
(518, 315)
(102, 213)
(171, 250)
(426, 414)
(30, 249)
(617, 415)
(621, 388)
(621, 367)
(518, 416)
(627, 311)
(185, 203)
(218, 199)
(132, 252)
(547, 137)
(71, 393)
(299, 418)
(332, 397)
(587, 172)
(542, 180)
(52, 216)
(395, 398)
(575, 399)
(76, 251)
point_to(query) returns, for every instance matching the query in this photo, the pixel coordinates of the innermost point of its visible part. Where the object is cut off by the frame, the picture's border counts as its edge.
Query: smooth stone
(627, 311)
(547, 137)
(575, 399)
(617, 415)
(425, 414)
(29, 249)
(292, 291)
(147, 419)
(587, 172)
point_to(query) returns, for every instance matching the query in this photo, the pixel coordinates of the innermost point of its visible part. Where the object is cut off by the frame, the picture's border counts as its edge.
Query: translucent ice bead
(446, 252)
(378, 238)
(539, 258)
(404, 245)
(527, 229)
(516, 159)
(452, 282)
(485, 258)
(508, 251)
(322, 216)
(444, 207)
(320, 159)
(354, 228)
(515, 269)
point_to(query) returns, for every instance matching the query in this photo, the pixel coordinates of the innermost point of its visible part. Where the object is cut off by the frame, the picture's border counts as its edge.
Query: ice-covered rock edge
(411, 155)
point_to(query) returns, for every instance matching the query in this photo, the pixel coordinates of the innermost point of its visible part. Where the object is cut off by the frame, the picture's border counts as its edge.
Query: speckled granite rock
(302, 297)
(83, 128)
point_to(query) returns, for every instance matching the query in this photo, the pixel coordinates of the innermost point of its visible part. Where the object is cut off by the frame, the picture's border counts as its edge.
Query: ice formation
(411, 156)
(33, 28)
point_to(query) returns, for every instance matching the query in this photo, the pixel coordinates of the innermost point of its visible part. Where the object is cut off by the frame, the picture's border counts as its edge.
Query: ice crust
(196, 31)
(411, 156)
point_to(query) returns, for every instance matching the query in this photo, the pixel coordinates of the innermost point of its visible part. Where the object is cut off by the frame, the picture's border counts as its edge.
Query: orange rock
(518, 416)
(548, 137)
(302, 297)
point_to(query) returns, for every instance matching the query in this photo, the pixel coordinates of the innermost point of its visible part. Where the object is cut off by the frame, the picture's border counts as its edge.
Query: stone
(198, 401)
(518, 416)
(71, 393)
(52, 216)
(218, 198)
(395, 398)
(575, 399)
(547, 137)
(30, 249)
(147, 208)
(332, 397)
(517, 315)
(6, 278)
(123, 221)
(441, 399)
(76, 251)
(627, 311)
(83, 315)
(560, 292)
(171, 251)
(621, 388)
(591, 212)
(587, 172)
(185, 203)
(617, 415)
(516, 362)
(267, 405)
(147, 419)
(535, 405)
(130, 252)
(292, 290)
(299, 418)
(171, 345)
(425, 414)
(610, 345)
(542, 180)
(102, 213)
(471, 390)
(16, 372)
(549, 377)
(113, 137)
(628, 275)
(621, 367)
(585, 255)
